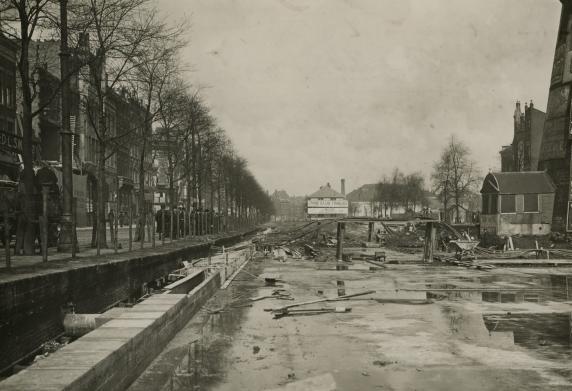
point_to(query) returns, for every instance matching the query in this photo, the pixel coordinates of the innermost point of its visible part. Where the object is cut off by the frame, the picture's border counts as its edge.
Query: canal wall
(115, 354)
(32, 307)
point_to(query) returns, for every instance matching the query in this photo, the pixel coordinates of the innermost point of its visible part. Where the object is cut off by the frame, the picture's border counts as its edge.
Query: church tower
(555, 149)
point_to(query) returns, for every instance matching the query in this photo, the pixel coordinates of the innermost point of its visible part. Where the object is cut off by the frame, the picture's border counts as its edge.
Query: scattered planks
(327, 299)
(312, 311)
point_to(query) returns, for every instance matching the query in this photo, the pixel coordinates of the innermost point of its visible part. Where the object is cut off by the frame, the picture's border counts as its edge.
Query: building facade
(555, 153)
(125, 121)
(326, 203)
(517, 203)
(524, 152)
(10, 142)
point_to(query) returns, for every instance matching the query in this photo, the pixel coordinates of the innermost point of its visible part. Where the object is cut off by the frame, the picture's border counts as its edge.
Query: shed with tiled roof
(517, 203)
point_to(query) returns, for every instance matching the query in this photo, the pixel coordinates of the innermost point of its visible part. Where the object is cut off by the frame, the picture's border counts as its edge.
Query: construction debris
(327, 299)
(281, 294)
(311, 311)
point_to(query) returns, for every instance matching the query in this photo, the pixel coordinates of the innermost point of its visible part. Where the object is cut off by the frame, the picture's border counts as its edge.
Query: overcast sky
(311, 91)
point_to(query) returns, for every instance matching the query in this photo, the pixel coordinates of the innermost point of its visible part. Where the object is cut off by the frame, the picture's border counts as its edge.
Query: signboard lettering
(11, 142)
(340, 203)
(328, 211)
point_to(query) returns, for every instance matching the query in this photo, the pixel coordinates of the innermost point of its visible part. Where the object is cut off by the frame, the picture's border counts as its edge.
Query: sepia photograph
(285, 195)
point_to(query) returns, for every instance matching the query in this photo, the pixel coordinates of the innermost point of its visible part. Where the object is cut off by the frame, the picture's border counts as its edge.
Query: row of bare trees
(202, 168)
(400, 190)
(124, 44)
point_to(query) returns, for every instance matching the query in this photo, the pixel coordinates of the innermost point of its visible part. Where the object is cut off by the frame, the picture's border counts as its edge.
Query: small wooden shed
(517, 203)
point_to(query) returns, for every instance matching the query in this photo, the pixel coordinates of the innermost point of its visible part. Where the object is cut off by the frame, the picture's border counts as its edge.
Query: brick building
(555, 153)
(524, 152)
(10, 142)
(125, 119)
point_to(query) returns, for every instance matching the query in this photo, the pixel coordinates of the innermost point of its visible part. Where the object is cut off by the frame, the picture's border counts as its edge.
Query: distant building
(517, 203)
(326, 203)
(524, 152)
(288, 208)
(507, 158)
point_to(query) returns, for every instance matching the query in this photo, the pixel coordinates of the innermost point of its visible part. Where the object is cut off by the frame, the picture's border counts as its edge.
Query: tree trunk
(142, 209)
(101, 223)
(30, 214)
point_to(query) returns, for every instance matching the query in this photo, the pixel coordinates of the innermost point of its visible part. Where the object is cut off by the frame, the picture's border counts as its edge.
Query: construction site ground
(426, 327)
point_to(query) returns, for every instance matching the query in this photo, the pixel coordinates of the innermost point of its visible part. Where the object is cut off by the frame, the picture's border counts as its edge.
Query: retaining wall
(115, 354)
(31, 306)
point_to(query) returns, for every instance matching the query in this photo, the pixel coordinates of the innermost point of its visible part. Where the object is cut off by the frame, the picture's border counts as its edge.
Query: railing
(123, 234)
(227, 264)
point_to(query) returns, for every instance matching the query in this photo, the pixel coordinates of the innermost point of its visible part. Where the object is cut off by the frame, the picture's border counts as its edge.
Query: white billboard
(327, 211)
(340, 203)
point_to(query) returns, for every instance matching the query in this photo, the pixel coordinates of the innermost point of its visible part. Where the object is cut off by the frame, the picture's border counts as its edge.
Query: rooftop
(527, 182)
(326, 192)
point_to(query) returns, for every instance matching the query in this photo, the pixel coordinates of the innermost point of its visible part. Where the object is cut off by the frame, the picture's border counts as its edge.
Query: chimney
(517, 113)
(343, 187)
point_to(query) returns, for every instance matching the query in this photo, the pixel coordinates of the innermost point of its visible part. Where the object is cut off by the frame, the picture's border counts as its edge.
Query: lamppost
(67, 230)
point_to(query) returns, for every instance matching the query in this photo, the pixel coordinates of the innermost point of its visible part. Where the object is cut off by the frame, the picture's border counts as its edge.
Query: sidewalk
(32, 264)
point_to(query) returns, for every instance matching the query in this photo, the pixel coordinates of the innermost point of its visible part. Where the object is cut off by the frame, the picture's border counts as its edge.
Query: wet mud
(426, 327)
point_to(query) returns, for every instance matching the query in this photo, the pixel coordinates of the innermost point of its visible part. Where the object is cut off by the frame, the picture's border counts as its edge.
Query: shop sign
(315, 203)
(327, 211)
(10, 142)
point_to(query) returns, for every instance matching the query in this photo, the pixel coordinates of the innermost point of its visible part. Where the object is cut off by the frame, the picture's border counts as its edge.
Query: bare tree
(454, 176)
(118, 32)
(21, 20)
(155, 65)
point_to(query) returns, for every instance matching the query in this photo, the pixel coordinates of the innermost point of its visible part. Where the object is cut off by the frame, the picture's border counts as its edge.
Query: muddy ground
(502, 329)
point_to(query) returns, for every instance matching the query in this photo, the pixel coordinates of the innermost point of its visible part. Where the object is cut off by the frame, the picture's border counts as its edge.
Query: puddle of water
(504, 289)
(548, 334)
(545, 336)
(204, 364)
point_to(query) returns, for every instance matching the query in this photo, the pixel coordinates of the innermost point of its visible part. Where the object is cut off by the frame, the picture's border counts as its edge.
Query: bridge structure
(431, 226)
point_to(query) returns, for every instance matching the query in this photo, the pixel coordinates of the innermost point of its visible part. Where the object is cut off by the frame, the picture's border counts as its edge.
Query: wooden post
(171, 222)
(148, 224)
(163, 226)
(153, 228)
(44, 224)
(130, 223)
(116, 219)
(184, 223)
(430, 237)
(74, 247)
(369, 231)
(340, 239)
(142, 219)
(7, 237)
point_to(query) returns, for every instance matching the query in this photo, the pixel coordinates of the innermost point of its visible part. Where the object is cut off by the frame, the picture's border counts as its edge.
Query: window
(508, 204)
(490, 204)
(531, 202)
(485, 206)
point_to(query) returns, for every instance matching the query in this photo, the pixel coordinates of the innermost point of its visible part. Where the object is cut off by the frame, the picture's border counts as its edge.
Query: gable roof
(527, 182)
(326, 192)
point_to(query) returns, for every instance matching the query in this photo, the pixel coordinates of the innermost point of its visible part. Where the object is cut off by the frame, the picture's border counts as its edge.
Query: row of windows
(7, 126)
(510, 203)
(7, 90)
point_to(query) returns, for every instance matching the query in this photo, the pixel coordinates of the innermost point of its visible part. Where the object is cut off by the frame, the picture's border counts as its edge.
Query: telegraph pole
(67, 231)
